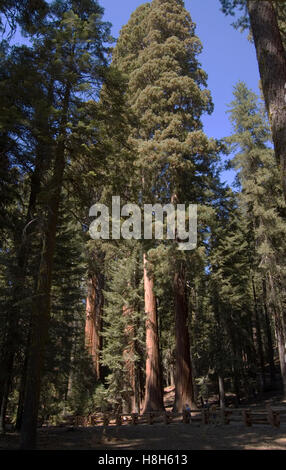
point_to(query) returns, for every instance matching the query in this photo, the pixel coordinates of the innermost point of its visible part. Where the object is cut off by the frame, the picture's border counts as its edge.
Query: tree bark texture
(93, 325)
(272, 66)
(184, 389)
(153, 386)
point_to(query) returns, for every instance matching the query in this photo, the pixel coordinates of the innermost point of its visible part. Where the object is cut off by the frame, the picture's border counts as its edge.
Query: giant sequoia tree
(157, 50)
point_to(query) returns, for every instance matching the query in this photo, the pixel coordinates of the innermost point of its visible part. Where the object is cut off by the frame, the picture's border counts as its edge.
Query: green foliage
(27, 13)
(51, 104)
(123, 331)
(258, 175)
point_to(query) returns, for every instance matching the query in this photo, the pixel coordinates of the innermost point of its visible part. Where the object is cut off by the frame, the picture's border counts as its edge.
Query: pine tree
(262, 197)
(26, 13)
(123, 328)
(74, 58)
(230, 287)
(17, 121)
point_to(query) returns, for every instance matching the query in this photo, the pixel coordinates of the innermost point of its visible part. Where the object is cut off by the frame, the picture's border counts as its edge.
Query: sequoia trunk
(221, 392)
(184, 390)
(93, 325)
(153, 387)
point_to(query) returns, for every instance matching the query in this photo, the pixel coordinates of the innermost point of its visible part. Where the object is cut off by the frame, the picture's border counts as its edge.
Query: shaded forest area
(106, 325)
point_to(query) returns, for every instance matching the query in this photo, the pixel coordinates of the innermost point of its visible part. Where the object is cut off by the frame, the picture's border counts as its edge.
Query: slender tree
(262, 197)
(64, 41)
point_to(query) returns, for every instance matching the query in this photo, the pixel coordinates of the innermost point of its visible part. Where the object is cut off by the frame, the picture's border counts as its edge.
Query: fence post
(150, 418)
(118, 420)
(206, 417)
(247, 418)
(186, 417)
(134, 417)
(273, 417)
(223, 417)
(167, 418)
(105, 420)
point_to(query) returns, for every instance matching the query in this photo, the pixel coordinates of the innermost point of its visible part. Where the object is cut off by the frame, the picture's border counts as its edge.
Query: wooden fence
(203, 417)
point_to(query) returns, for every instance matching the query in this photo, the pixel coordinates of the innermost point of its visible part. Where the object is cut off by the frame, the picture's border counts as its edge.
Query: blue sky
(227, 57)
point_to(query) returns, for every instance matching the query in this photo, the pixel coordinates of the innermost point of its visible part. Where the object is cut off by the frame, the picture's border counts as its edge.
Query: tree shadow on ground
(157, 437)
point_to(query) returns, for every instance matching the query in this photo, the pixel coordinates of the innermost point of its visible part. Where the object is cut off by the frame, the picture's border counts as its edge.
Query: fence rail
(210, 416)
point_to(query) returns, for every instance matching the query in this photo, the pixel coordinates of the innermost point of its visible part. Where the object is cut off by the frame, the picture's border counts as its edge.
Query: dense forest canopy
(92, 325)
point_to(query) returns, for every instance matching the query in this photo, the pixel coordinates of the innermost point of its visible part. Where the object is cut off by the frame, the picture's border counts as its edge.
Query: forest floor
(175, 436)
(162, 437)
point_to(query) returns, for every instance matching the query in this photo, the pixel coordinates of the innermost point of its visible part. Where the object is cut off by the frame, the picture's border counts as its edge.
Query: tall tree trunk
(279, 330)
(129, 356)
(93, 325)
(3, 407)
(184, 389)
(270, 349)
(236, 386)
(18, 293)
(20, 408)
(272, 66)
(236, 363)
(172, 376)
(23, 247)
(258, 336)
(22, 388)
(42, 299)
(70, 381)
(221, 392)
(153, 386)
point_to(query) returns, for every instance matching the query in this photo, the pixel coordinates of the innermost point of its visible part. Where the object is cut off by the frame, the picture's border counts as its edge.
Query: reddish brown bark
(184, 390)
(94, 306)
(272, 66)
(153, 386)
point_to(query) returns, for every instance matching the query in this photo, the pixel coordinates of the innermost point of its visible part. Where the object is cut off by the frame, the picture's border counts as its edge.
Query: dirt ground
(157, 437)
(175, 436)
